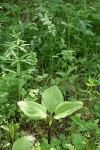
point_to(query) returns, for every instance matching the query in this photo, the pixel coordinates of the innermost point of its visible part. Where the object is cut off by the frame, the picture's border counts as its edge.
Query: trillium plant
(53, 107)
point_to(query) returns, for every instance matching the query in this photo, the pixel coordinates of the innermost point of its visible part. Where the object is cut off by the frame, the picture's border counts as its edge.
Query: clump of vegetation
(50, 67)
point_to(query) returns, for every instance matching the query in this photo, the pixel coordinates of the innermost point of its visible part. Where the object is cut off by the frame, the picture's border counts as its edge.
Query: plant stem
(49, 135)
(68, 33)
(49, 131)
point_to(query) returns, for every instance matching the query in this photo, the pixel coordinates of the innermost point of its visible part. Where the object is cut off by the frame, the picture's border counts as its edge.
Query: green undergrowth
(46, 44)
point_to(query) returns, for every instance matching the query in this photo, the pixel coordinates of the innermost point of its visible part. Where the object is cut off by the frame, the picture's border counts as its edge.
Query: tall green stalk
(68, 33)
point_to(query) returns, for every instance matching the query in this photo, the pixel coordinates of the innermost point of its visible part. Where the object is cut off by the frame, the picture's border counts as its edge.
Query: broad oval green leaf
(23, 143)
(51, 98)
(66, 108)
(33, 109)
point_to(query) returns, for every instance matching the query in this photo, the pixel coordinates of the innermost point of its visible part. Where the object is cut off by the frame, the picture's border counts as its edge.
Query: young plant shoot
(52, 103)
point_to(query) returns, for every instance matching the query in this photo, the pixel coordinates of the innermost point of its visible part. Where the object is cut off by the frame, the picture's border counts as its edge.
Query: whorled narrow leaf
(66, 108)
(33, 109)
(51, 98)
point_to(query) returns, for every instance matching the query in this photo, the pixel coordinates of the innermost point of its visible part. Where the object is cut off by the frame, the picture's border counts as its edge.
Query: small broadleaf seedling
(52, 103)
(23, 143)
